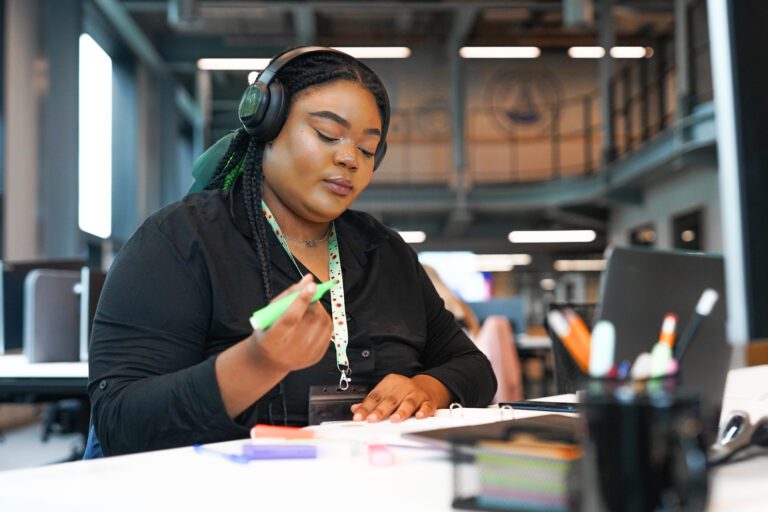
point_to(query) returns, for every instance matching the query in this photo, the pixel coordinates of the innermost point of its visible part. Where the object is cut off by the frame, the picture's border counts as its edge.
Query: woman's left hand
(398, 397)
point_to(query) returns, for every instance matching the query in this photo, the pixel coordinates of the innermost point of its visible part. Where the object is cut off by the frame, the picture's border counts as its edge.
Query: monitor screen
(91, 281)
(740, 80)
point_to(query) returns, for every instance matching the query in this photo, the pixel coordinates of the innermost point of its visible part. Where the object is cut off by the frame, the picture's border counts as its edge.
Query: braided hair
(244, 156)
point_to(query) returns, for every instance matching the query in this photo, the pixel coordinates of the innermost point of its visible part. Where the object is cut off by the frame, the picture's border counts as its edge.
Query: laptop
(640, 286)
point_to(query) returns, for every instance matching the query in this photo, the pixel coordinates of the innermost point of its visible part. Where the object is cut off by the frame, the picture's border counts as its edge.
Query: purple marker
(279, 451)
(264, 452)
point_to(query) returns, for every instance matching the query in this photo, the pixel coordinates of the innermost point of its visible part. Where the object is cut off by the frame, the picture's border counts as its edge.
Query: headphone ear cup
(274, 114)
(252, 106)
(381, 150)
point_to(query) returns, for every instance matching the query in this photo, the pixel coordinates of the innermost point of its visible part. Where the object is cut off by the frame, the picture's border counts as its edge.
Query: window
(643, 236)
(458, 270)
(687, 230)
(95, 139)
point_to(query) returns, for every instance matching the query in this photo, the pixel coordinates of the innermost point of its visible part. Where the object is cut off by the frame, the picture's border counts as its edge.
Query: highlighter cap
(267, 315)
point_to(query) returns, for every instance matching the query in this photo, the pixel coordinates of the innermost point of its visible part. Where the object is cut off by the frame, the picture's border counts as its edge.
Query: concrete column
(125, 218)
(58, 143)
(606, 39)
(21, 228)
(682, 60)
(148, 144)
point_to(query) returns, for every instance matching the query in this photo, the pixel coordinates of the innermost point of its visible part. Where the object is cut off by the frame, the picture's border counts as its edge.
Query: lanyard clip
(345, 379)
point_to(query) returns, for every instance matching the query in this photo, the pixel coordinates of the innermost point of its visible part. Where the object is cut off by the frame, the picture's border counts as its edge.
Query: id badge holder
(331, 403)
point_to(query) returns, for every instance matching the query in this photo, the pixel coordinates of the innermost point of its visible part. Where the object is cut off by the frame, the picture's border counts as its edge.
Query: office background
(478, 147)
(599, 119)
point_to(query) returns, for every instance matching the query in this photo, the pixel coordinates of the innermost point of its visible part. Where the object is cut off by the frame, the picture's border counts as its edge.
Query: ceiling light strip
(500, 52)
(552, 237)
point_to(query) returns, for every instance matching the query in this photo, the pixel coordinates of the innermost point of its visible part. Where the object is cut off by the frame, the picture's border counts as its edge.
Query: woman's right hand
(300, 337)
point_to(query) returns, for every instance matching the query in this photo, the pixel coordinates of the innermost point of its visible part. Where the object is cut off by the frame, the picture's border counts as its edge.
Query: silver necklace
(310, 244)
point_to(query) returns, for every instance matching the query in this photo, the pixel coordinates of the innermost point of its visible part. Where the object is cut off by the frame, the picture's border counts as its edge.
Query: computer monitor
(91, 283)
(52, 316)
(640, 286)
(740, 81)
(12, 297)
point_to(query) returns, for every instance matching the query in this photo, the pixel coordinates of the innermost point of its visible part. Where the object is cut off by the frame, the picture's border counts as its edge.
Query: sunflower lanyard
(340, 336)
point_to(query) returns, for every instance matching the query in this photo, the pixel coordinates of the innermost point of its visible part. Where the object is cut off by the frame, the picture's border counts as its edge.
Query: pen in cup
(662, 350)
(267, 315)
(703, 309)
(601, 350)
(573, 341)
(622, 371)
(641, 369)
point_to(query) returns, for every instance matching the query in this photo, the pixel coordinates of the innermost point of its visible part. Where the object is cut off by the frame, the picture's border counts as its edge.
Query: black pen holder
(643, 447)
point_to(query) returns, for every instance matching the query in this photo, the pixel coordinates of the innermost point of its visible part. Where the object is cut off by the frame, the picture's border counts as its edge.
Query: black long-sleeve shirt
(181, 291)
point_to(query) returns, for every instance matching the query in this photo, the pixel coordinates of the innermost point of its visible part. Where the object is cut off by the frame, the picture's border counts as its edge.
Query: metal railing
(566, 139)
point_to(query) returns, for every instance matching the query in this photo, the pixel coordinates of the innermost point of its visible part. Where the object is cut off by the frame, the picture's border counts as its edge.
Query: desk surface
(529, 342)
(420, 479)
(17, 366)
(20, 379)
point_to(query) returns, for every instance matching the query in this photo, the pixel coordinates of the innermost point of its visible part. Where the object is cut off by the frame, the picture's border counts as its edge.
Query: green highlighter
(267, 315)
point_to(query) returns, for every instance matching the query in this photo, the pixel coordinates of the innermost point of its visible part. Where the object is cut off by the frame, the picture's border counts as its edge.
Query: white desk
(17, 366)
(181, 479)
(528, 342)
(20, 378)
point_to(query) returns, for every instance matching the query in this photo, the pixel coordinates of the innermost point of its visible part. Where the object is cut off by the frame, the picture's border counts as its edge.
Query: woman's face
(323, 157)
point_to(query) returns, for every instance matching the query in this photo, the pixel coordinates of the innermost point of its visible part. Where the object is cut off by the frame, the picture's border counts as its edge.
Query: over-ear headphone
(264, 108)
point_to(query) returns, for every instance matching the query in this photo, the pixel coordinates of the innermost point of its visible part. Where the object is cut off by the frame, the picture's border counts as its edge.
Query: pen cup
(643, 449)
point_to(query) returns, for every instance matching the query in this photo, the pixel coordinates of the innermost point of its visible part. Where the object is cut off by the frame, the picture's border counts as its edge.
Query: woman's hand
(398, 397)
(300, 337)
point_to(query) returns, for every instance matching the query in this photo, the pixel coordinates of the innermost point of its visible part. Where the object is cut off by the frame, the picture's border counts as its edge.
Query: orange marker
(668, 326)
(278, 432)
(662, 351)
(575, 337)
(579, 328)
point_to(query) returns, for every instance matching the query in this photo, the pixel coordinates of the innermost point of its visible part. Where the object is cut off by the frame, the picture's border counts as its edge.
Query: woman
(463, 314)
(173, 360)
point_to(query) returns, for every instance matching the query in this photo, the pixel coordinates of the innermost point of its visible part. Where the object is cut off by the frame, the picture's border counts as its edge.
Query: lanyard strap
(340, 336)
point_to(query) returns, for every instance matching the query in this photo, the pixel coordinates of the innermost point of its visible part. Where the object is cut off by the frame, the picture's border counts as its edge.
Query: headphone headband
(263, 107)
(274, 66)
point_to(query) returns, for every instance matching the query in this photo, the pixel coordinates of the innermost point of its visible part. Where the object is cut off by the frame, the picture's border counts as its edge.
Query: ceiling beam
(464, 20)
(447, 5)
(304, 23)
(182, 12)
(133, 36)
(143, 48)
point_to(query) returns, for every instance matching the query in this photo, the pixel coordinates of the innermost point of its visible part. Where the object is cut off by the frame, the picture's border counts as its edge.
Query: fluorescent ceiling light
(252, 76)
(552, 237)
(359, 52)
(629, 52)
(579, 265)
(376, 52)
(413, 237)
(586, 52)
(500, 52)
(500, 262)
(232, 64)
